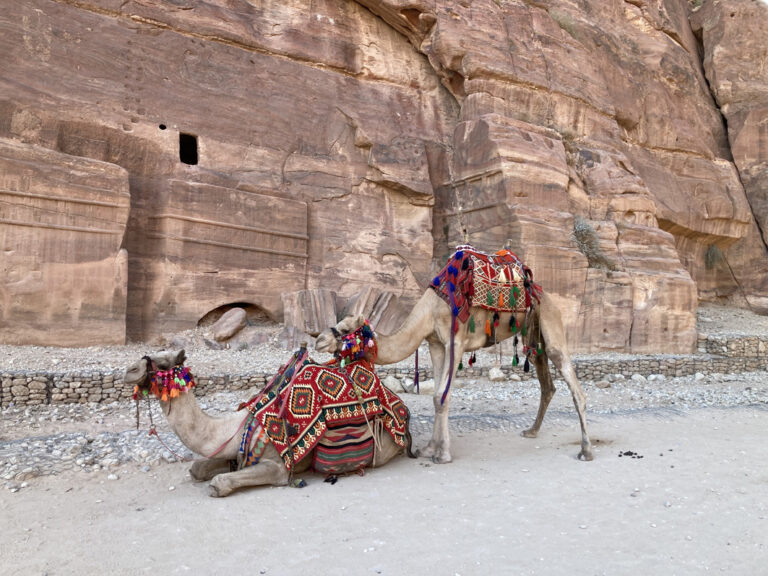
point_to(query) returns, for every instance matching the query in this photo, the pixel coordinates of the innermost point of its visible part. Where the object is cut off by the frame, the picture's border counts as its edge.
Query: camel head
(329, 340)
(137, 374)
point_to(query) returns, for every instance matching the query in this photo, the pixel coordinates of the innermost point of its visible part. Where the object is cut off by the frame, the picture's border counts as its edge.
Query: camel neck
(201, 433)
(416, 327)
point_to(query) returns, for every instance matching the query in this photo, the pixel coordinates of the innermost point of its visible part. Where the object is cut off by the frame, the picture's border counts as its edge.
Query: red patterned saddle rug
(297, 415)
(498, 282)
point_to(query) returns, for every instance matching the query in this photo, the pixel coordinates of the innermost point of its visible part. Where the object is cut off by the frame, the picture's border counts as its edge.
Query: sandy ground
(695, 503)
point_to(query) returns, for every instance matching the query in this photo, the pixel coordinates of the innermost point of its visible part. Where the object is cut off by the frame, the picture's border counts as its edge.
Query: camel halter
(357, 345)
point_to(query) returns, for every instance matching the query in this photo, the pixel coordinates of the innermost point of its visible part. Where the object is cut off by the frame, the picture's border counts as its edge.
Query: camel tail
(408, 437)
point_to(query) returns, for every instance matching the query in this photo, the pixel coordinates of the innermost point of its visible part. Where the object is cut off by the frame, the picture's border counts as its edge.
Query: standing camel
(220, 437)
(432, 319)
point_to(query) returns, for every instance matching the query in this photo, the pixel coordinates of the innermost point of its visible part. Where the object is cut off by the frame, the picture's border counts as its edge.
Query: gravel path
(48, 440)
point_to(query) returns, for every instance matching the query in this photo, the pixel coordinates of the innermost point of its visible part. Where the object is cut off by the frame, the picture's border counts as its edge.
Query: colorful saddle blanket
(298, 414)
(343, 449)
(499, 282)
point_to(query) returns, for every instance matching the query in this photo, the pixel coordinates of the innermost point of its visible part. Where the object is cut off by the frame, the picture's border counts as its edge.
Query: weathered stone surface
(382, 309)
(62, 219)
(310, 311)
(270, 149)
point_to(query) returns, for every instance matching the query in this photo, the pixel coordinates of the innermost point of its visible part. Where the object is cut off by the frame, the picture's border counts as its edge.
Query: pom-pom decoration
(358, 345)
(167, 384)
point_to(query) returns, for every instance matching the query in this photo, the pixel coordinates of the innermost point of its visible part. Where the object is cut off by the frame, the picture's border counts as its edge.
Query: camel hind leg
(204, 470)
(554, 343)
(547, 391)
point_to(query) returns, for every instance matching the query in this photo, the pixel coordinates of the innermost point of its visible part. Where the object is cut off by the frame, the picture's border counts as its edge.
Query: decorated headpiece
(356, 345)
(165, 384)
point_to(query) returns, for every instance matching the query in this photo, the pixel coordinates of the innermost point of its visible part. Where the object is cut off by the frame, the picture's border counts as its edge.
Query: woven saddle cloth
(498, 282)
(323, 397)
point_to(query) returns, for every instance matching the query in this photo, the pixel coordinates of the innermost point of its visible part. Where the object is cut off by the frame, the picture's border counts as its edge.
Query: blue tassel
(459, 255)
(451, 287)
(455, 311)
(436, 281)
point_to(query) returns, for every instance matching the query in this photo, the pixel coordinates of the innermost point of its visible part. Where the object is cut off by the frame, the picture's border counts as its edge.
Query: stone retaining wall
(717, 354)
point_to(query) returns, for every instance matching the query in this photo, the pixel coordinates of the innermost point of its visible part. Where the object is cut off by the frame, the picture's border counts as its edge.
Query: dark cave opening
(188, 149)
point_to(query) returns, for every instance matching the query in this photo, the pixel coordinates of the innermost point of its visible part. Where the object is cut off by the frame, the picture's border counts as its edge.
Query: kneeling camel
(220, 437)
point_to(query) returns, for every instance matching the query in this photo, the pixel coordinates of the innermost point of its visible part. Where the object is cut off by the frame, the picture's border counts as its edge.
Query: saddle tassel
(416, 373)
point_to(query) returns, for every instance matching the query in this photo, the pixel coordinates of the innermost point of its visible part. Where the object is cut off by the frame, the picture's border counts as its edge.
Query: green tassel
(489, 299)
(538, 350)
(472, 324)
(461, 365)
(513, 325)
(515, 360)
(523, 330)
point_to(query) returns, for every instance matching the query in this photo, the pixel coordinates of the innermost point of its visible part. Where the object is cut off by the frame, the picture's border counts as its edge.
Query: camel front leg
(563, 364)
(204, 470)
(547, 391)
(439, 446)
(266, 473)
(437, 354)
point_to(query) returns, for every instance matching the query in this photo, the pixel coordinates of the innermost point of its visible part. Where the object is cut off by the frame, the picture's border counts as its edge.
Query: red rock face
(267, 149)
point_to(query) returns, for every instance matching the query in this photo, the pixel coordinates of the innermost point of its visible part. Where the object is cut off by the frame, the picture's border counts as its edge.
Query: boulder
(230, 323)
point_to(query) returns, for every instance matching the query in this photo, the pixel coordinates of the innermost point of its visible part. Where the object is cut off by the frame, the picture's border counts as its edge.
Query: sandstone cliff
(162, 159)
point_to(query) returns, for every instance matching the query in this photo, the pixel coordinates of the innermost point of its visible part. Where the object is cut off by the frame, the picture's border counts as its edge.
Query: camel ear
(180, 357)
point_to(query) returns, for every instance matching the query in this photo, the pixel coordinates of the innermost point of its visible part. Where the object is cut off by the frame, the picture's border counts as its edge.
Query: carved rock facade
(161, 160)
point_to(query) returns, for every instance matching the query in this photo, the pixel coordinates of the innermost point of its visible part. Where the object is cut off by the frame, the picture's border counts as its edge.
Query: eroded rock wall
(596, 112)
(733, 39)
(311, 131)
(271, 149)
